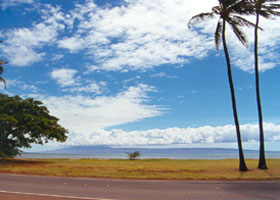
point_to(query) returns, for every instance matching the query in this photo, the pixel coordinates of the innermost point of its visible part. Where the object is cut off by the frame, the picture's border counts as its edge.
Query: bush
(134, 155)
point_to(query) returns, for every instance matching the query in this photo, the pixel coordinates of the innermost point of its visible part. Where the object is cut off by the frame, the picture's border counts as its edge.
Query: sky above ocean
(131, 72)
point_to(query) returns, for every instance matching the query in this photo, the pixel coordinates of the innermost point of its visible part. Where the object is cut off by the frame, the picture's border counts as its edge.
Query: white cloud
(67, 79)
(73, 44)
(21, 55)
(32, 88)
(163, 75)
(141, 35)
(170, 136)
(7, 3)
(93, 87)
(57, 57)
(23, 46)
(159, 75)
(64, 77)
(85, 114)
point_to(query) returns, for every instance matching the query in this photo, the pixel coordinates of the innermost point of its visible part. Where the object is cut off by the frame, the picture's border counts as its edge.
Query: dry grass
(143, 169)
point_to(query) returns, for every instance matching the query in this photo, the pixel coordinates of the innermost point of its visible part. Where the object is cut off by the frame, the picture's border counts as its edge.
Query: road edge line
(56, 196)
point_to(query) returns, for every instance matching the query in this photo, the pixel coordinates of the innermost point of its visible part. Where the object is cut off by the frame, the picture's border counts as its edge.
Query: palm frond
(238, 32)
(3, 81)
(242, 21)
(199, 18)
(228, 3)
(218, 34)
(1, 71)
(266, 5)
(243, 7)
(216, 10)
(271, 5)
(274, 13)
(264, 14)
(2, 62)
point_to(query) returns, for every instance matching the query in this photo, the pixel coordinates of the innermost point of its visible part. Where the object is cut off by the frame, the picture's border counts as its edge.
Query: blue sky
(130, 72)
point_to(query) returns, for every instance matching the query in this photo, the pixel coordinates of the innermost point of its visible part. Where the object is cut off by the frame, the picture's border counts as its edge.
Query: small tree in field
(134, 155)
(23, 122)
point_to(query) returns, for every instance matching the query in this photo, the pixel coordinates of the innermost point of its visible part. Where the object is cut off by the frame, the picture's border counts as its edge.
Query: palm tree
(1, 71)
(264, 8)
(228, 12)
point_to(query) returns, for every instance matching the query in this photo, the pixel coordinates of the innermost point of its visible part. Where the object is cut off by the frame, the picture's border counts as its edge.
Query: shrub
(134, 155)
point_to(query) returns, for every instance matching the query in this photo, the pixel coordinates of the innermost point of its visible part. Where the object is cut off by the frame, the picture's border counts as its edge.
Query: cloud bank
(174, 136)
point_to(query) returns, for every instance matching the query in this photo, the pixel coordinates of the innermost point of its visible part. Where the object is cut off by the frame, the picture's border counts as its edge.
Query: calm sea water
(146, 156)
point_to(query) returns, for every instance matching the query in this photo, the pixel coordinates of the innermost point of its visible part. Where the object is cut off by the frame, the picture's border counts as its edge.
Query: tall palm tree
(267, 9)
(228, 12)
(1, 71)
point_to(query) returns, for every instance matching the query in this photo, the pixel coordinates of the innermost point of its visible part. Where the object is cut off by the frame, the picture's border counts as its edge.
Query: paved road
(21, 187)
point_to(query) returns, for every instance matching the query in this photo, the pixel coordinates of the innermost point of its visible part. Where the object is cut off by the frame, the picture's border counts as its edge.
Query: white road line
(56, 196)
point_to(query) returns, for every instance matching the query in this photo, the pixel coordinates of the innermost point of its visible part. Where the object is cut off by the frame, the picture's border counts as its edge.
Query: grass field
(143, 169)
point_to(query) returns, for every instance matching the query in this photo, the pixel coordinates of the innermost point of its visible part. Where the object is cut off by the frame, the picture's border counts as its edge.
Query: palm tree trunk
(242, 164)
(262, 162)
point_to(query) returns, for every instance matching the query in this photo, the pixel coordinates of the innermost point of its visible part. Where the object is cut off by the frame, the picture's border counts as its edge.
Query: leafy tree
(266, 9)
(134, 155)
(229, 12)
(1, 70)
(23, 122)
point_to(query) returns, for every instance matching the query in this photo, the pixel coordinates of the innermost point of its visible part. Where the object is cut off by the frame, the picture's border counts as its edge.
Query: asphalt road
(25, 187)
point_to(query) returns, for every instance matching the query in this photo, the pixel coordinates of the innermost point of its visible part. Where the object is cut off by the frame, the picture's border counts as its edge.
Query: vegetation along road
(42, 187)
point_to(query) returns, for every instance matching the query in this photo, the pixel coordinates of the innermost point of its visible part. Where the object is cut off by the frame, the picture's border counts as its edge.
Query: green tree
(229, 12)
(134, 155)
(267, 9)
(23, 122)
(1, 70)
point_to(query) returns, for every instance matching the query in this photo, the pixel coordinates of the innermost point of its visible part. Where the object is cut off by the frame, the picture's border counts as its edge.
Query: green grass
(143, 169)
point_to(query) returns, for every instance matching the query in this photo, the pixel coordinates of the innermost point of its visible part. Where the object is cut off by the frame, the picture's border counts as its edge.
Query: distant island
(109, 152)
(102, 149)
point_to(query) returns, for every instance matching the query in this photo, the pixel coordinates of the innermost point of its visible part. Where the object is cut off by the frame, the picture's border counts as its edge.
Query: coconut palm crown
(229, 11)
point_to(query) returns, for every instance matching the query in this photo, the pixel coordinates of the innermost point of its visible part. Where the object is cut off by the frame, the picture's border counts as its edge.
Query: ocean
(120, 153)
